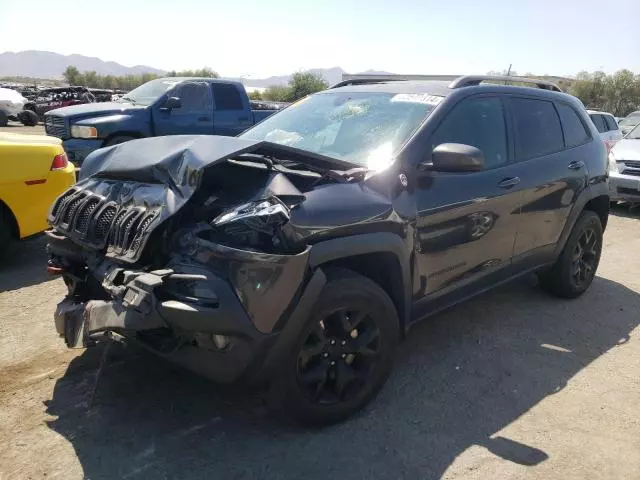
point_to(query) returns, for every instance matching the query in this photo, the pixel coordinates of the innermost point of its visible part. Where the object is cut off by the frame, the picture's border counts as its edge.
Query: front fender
(382, 242)
(110, 125)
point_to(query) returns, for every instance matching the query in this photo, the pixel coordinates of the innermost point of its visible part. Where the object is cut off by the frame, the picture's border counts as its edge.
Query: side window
(227, 97)
(537, 125)
(611, 122)
(574, 131)
(478, 122)
(598, 121)
(194, 97)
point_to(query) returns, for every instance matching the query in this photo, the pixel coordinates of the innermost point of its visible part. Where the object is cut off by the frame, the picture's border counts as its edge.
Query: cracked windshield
(362, 128)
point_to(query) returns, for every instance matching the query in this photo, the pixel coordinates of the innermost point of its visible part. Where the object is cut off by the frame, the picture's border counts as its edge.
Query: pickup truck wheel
(28, 118)
(342, 357)
(119, 139)
(4, 118)
(576, 266)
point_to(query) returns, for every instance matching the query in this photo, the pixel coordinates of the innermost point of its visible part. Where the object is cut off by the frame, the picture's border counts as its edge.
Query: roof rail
(472, 80)
(365, 78)
(363, 81)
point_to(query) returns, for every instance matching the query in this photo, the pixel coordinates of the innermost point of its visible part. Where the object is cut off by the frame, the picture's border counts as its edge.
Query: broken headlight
(260, 224)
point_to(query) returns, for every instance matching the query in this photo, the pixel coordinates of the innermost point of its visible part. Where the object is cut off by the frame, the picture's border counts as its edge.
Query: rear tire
(4, 118)
(28, 118)
(576, 266)
(342, 356)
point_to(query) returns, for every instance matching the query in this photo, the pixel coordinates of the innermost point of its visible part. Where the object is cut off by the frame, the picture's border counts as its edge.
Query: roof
(442, 88)
(599, 112)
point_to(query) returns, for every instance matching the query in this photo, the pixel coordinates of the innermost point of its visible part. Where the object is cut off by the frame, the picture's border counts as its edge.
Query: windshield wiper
(128, 99)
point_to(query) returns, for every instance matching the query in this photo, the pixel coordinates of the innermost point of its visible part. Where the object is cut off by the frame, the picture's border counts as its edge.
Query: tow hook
(54, 268)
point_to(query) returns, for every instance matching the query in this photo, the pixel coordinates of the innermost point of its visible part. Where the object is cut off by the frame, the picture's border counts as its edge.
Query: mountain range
(50, 65)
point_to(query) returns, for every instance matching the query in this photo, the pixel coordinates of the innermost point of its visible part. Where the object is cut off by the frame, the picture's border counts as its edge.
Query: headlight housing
(262, 224)
(613, 164)
(82, 131)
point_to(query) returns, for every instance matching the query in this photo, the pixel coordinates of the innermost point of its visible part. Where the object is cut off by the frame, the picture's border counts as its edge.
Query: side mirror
(171, 103)
(454, 157)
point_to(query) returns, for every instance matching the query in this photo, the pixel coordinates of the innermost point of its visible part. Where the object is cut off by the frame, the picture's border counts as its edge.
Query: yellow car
(34, 170)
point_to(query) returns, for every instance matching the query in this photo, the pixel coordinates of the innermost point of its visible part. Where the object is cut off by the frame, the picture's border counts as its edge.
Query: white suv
(607, 126)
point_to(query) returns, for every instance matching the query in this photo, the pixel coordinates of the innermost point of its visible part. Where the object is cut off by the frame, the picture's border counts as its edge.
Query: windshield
(362, 128)
(634, 134)
(631, 120)
(147, 93)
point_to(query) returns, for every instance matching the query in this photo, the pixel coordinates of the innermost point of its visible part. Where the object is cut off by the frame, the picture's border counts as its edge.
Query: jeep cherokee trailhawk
(298, 255)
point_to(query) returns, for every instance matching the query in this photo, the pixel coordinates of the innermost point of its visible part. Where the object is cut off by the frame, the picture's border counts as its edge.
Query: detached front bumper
(77, 149)
(257, 301)
(624, 187)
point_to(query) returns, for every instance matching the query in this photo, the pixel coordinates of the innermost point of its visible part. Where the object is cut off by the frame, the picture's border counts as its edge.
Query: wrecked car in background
(298, 254)
(12, 107)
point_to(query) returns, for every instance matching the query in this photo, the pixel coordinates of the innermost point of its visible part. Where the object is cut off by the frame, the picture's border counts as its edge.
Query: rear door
(232, 112)
(194, 116)
(554, 172)
(466, 223)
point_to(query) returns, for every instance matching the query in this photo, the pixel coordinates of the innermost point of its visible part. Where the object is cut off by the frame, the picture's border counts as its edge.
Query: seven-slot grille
(93, 220)
(56, 126)
(634, 167)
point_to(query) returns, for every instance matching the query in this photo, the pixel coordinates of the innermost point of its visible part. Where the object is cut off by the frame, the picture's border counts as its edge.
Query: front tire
(4, 118)
(575, 268)
(342, 356)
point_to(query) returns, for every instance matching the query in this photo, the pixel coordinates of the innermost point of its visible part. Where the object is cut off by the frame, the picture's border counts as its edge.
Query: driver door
(467, 221)
(193, 117)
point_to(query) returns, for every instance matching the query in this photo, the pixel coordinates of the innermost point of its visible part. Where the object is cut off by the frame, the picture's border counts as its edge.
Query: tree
(255, 95)
(71, 75)
(277, 93)
(203, 72)
(305, 83)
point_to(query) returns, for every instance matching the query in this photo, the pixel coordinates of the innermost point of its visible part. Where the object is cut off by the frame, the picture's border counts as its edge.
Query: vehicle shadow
(626, 210)
(460, 378)
(25, 265)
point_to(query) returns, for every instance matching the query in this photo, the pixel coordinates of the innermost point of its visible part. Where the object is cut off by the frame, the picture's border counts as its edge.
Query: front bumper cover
(77, 149)
(624, 187)
(251, 297)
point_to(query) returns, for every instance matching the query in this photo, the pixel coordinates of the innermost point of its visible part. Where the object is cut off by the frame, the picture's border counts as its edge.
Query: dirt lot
(15, 127)
(513, 385)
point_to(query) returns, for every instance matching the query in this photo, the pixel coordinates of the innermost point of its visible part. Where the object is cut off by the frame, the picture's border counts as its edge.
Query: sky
(260, 38)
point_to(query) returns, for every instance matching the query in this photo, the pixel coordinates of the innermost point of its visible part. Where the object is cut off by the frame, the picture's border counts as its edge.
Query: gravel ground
(511, 385)
(16, 127)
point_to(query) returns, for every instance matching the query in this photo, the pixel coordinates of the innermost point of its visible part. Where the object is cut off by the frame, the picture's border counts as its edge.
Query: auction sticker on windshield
(418, 98)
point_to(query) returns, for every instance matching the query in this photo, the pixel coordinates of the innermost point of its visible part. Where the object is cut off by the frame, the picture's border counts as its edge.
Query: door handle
(509, 182)
(204, 119)
(576, 165)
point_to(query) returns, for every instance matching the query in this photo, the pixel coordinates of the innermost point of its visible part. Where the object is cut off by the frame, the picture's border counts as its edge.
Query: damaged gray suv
(298, 255)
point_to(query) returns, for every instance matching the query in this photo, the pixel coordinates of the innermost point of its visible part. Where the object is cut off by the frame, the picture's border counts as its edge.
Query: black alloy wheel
(338, 355)
(342, 355)
(575, 268)
(585, 255)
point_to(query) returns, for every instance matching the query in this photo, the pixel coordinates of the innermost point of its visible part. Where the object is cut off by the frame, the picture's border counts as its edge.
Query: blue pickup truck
(166, 106)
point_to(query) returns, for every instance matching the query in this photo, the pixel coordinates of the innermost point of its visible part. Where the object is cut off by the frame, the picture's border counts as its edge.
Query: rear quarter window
(611, 122)
(537, 127)
(575, 132)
